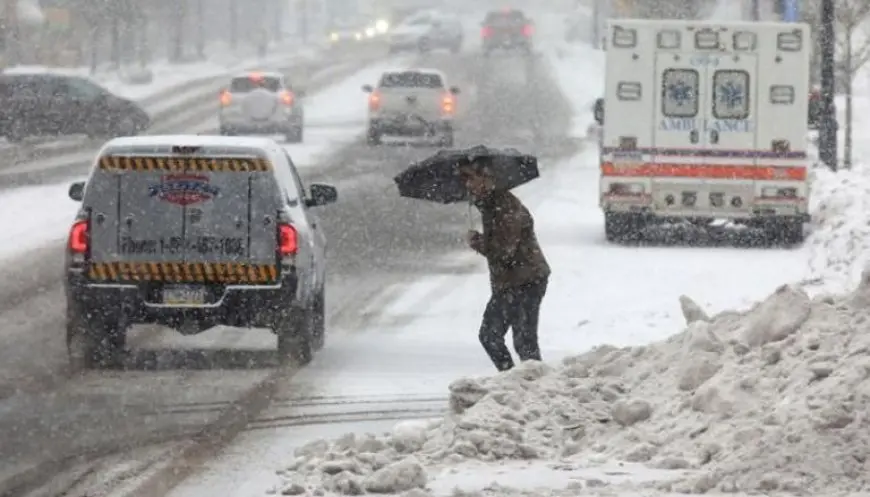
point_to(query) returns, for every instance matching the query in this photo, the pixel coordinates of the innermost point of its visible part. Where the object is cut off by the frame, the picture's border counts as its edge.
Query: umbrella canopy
(437, 178)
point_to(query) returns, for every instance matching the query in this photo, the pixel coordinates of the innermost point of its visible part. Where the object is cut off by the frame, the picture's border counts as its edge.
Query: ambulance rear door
(730, 126)
(678, 138)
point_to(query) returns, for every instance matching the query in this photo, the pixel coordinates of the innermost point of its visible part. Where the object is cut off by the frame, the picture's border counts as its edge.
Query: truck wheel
(295, 337)
(94, 343)
(373, 138)
(447, 137)
(620, 227)
(318, 319)
(294, 135)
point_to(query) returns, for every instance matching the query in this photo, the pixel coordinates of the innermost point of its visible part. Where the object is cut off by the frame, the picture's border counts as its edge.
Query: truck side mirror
(598, 111)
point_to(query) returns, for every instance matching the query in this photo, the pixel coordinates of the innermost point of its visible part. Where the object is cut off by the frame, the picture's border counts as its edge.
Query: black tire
(318, 321)
(620, 227)
(373, 137)
(295, 134)
(94, 343)
(789, 232)
(295, 340)
(447, 138)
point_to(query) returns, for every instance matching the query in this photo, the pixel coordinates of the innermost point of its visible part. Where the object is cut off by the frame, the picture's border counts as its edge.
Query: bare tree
(853, 49)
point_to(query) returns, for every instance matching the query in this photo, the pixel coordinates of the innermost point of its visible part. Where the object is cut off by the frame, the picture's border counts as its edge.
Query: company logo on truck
(184, 189)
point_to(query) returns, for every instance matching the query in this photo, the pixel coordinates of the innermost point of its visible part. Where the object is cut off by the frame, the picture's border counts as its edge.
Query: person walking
(518, 270)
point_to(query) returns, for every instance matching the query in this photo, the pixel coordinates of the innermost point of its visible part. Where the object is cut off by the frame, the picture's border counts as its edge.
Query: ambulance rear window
(731, 94)
(680, 93)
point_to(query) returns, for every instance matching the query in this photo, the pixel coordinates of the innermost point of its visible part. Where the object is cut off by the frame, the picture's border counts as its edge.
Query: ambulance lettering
(720, 125)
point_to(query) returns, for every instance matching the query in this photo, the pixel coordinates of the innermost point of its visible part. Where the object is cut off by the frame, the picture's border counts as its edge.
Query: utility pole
(828, 128)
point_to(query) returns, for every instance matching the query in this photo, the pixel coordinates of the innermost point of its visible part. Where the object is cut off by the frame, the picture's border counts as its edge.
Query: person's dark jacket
(509, 242)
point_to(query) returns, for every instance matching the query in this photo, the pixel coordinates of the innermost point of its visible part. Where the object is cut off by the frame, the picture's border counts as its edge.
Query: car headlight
(370, 32)
(358, 36)
(382, 26)
(333, 36)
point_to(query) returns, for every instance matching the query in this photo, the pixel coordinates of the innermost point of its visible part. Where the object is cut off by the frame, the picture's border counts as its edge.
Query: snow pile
(774, 398)
(840, 241)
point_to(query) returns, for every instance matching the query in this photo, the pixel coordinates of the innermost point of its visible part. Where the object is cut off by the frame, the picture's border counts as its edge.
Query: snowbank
(839, 246)
(774, 398)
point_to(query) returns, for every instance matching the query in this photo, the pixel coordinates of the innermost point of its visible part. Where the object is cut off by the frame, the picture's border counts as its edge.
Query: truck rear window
(504, 18)
(250, 83)
(411, 80)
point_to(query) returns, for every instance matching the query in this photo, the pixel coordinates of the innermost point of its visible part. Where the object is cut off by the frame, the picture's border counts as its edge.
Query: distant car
(427, 31)
(414, 103)
(43, 104)
(192, 232)
(507, 30)
(262, 103)
(343, 33)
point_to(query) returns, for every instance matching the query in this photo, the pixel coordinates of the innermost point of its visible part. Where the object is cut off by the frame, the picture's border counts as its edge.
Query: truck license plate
(184, 295)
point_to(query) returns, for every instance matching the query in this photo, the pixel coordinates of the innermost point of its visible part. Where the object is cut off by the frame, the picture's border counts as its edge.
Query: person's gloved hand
(475, 240)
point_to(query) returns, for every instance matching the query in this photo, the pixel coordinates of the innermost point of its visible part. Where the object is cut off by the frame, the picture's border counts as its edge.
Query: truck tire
(373, 137)
(318, 324)
(295, 134)
(295, 340)
(619, 227)
(94, 343)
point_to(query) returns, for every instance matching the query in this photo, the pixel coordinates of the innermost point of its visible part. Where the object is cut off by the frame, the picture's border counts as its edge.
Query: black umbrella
(437, 178)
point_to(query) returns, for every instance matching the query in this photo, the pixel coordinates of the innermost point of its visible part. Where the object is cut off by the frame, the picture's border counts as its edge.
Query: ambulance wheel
(785, 231)
(295, 337)
(620, 227)
(94, 343)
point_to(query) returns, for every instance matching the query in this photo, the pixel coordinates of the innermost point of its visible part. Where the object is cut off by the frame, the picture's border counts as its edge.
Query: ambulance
(705, 122)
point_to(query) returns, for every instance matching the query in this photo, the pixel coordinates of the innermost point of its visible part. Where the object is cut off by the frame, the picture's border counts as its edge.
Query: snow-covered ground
(767, 399)
(335, 116)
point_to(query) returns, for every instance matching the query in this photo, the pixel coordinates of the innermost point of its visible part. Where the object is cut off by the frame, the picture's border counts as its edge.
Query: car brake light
(226, 98)
(78, 237)
(528, 30)
(448, 104)
(374, 101)
(287, 98)
(486, 32)
(288, 240)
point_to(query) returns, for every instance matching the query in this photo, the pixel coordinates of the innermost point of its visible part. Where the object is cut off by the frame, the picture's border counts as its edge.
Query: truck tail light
(225, 98)
(374, 101)
(628, 143)
(79, 238)
(528, 30)
(287, 98)
(448, 104)
(486, 32)
(288, 240)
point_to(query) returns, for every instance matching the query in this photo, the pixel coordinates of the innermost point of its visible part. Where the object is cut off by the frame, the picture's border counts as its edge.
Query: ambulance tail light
(628, 143)
(780, 146)
(626, 189)
(779, 193)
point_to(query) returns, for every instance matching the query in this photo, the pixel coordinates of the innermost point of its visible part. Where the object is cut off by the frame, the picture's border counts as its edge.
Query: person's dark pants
(514, 308)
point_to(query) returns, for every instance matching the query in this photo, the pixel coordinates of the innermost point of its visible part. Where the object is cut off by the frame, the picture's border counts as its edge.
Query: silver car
(262, 103)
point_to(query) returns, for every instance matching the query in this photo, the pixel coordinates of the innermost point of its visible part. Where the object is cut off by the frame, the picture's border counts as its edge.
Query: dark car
(60, 105)
(507, 30)
(192, 232)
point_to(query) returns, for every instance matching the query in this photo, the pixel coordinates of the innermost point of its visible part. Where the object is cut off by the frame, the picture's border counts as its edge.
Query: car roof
(265, 74)
(240, 142)
(421, 70)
